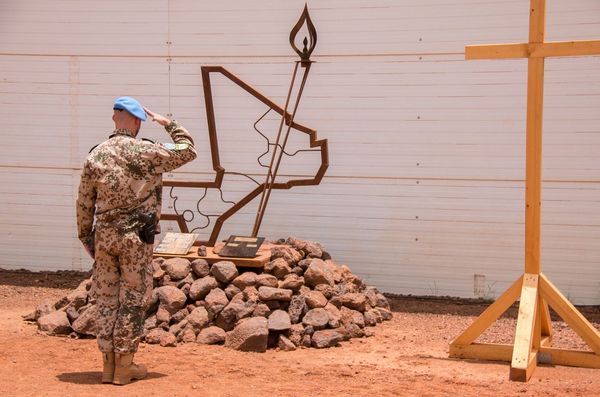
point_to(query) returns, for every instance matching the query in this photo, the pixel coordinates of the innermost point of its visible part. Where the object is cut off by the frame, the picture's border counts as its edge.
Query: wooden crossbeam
(534, 50)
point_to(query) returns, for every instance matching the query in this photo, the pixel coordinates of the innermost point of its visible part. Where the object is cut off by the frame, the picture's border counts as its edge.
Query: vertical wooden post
(535, 108)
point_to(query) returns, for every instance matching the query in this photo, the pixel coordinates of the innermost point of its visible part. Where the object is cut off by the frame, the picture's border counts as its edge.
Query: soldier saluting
(121, 185)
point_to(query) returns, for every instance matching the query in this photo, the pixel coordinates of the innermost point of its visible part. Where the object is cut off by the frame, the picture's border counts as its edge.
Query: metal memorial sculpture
(533, 336)
(286, 124)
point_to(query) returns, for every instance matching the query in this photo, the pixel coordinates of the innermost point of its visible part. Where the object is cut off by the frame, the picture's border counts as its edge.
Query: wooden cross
(533, 335)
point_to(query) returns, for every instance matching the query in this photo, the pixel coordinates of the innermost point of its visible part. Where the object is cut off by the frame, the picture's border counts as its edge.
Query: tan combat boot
(126, 370)
(108, 371)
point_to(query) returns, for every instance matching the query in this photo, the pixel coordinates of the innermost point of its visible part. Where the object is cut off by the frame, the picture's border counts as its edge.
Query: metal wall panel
(426, 184)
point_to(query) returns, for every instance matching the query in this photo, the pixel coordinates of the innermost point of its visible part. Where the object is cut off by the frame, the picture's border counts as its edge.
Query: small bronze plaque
(241, 247)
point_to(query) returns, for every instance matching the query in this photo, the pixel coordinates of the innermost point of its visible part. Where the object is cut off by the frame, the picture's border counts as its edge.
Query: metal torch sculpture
(287, 121)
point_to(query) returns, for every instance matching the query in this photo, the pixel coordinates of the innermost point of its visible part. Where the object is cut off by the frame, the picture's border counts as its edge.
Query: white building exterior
(426, 183)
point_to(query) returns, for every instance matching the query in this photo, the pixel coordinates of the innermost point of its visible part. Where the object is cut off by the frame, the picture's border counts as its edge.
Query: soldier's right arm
(164, 159)
(86, 206)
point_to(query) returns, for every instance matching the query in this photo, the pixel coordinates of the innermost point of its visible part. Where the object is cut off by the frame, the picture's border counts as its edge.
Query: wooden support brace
(570, 314)
(546, 321)
(488, 317)
(524, 359)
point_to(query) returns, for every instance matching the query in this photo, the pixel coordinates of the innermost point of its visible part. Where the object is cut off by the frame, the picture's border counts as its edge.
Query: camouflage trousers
(122, 284)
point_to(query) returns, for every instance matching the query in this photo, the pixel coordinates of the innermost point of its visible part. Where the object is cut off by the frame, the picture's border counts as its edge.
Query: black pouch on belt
(148, 230)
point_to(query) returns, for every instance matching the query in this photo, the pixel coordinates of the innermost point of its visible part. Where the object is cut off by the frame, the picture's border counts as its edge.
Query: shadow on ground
(94, 377)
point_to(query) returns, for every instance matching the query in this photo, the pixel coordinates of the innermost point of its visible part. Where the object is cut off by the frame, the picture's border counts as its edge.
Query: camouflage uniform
(121, 183)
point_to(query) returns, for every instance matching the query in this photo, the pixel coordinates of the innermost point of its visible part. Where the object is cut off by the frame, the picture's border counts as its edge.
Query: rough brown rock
(354, 331)
(326, 338)
(249, 335)
(211, 336)
(171, 298)
(246, 279)
(326, 289)
(295, 334)
(154, 336)
(231, 291)
(216, 300)
(355, 301)
(250, 294)
(266, 280)
(200, 267)
(224, 271)
(274, 294)
(177, 268)
(168, 340)
(86, 322)
(198, 318)
(297, 308)
(350, 316)
(290, 255)
(372, 317)
(278, 268)
(201, 287)
(292, 281)
(187, 335)
(279, 321)
(335, 316)
(261, 310)
(163, 315)
(315, 299)
(44, 308)
(234, 311)
(316, 318)
(385, 313)
(285, 344)
(318, 273)
(55, 323)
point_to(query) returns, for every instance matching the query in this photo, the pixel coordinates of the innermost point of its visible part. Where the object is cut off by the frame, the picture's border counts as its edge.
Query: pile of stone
(302, 298)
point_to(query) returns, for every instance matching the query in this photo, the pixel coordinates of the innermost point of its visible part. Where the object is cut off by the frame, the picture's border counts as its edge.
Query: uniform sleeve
(86, 206)
(163, 159)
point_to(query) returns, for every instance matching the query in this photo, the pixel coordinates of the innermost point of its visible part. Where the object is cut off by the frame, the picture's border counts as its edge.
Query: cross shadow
(94, 377)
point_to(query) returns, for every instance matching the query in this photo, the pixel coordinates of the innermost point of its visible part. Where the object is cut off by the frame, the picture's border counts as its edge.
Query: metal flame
(309, 42)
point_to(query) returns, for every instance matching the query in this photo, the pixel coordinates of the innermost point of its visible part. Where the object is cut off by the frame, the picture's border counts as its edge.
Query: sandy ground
(408, 356)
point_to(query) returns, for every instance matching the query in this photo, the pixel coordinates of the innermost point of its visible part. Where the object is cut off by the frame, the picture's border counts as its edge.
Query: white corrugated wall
(426, 183)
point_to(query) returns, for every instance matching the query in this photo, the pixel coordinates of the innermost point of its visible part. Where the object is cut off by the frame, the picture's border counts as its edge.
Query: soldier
(121, 185)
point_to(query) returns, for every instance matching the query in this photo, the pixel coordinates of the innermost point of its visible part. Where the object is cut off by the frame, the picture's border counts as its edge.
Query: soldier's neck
(123, 131)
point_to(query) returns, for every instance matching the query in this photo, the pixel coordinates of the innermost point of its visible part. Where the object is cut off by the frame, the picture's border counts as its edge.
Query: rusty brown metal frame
(265, 188)
(314, 142)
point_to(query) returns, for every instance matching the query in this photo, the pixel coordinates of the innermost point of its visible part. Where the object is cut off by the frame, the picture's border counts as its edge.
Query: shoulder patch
(148, 140)
(93, 147)
(176, 146)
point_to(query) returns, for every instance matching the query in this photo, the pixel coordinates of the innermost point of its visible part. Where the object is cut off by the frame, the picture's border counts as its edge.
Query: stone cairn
(302, 298)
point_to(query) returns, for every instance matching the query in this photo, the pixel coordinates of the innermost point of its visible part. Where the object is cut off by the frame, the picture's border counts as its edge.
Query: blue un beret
(131, 105)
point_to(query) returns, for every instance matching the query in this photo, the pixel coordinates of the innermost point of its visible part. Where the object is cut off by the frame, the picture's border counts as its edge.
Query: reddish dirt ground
(408, 356)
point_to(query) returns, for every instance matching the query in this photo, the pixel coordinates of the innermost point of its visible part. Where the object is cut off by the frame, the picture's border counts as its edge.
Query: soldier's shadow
(94, 377)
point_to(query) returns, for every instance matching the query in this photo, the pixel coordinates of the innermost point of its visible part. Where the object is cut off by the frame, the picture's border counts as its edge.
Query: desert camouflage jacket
(121, 179)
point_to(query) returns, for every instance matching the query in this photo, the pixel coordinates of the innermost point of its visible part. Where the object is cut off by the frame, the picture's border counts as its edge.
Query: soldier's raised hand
(159, 118)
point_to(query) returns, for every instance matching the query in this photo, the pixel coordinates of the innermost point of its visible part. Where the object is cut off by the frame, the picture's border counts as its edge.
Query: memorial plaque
(176, 243)
(241, 247)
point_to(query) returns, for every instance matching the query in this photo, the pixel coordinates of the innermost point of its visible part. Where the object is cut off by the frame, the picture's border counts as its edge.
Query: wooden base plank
(259, 261)
(483, 351)
(569, 358)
